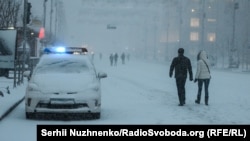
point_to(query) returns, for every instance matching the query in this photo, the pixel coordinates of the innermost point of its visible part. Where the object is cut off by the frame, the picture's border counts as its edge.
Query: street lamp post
(233, 50)
(203, 16)
(44, 13)
(44, 21)
(24, 39)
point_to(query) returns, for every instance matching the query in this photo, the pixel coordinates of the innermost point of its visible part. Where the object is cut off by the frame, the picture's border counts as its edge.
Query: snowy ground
(147, 95)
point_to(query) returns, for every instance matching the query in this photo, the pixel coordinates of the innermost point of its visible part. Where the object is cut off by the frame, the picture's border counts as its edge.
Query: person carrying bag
(203, 76)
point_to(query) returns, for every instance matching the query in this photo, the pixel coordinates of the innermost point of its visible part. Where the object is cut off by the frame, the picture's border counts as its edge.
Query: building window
(195, 22)
(194, 36)
(211, 37)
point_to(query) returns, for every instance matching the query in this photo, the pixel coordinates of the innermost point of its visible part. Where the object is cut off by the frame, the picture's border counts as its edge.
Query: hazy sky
(85, 23)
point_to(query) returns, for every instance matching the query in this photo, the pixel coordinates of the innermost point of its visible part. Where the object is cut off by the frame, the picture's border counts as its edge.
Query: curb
(11, 108)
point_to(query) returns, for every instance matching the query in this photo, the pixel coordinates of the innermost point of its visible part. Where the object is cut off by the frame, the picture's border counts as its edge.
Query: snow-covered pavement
(8, 101)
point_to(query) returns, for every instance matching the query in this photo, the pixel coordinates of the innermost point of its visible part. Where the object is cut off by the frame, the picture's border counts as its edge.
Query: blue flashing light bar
(55, 50)
(60, 49)
(65, 50)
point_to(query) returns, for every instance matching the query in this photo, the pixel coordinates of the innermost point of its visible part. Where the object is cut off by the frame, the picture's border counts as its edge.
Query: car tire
(29, 115)
(96, 115)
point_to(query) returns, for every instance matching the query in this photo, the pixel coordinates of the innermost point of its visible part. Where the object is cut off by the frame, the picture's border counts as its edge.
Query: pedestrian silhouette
(111, 59)
(115, 58)
(123, 58)
(181, 64)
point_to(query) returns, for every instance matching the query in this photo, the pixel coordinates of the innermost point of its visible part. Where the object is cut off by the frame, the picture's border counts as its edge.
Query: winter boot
(197, 101)
(206, 100)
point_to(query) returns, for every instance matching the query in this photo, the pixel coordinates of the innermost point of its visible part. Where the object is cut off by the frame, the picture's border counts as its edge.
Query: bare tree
(9, 12)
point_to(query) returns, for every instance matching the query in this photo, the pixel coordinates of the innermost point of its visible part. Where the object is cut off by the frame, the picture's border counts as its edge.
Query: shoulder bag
(207, 67)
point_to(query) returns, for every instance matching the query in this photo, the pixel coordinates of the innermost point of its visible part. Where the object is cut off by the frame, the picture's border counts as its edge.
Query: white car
(64, 86)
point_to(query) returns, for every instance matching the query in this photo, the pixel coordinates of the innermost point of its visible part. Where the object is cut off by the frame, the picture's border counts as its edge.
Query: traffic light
(41, 33)
(28, 12)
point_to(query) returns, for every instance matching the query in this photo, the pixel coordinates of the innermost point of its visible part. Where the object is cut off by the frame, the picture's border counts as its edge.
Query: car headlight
(94, 87)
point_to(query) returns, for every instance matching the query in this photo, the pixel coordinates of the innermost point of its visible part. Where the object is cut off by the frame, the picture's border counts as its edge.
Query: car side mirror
(102, 75)
(26, 73)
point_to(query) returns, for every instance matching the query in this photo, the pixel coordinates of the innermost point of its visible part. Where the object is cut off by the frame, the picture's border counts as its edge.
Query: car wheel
(32, 115)
(29, 115)
(96, 115)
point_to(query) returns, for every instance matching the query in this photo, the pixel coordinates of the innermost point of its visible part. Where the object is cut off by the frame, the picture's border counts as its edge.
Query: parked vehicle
(64, 86)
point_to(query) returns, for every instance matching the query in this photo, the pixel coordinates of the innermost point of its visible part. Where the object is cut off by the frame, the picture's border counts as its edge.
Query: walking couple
(181, 65)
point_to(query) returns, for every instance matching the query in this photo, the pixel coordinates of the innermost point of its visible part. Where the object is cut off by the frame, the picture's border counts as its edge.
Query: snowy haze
(85, 22)
(91, 19)
(141, 92)
(151, 29)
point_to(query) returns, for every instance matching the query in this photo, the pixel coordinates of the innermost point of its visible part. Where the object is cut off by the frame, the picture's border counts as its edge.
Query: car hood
(64, 82)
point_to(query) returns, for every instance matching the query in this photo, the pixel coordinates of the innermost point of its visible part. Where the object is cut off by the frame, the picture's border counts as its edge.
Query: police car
(64, 85)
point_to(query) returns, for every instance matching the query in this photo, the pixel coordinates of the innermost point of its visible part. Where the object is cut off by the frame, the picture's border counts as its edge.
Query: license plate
(61, 101)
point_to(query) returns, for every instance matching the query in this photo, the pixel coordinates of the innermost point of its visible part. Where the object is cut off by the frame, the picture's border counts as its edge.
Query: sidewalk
(8, 101)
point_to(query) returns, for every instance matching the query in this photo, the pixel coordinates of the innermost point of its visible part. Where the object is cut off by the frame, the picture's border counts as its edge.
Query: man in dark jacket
(182, 65)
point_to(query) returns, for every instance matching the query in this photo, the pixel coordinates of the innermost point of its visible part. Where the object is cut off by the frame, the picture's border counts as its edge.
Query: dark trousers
(202, 82)
(180, 83)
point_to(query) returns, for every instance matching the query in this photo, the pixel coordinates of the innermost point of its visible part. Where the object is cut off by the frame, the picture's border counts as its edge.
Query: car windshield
(63, 65)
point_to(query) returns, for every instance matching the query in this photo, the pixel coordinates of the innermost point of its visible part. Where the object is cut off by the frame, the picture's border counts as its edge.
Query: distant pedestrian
(115, 58)
(123, 58)
(111, 59)
(202, 75)
(182, 65)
